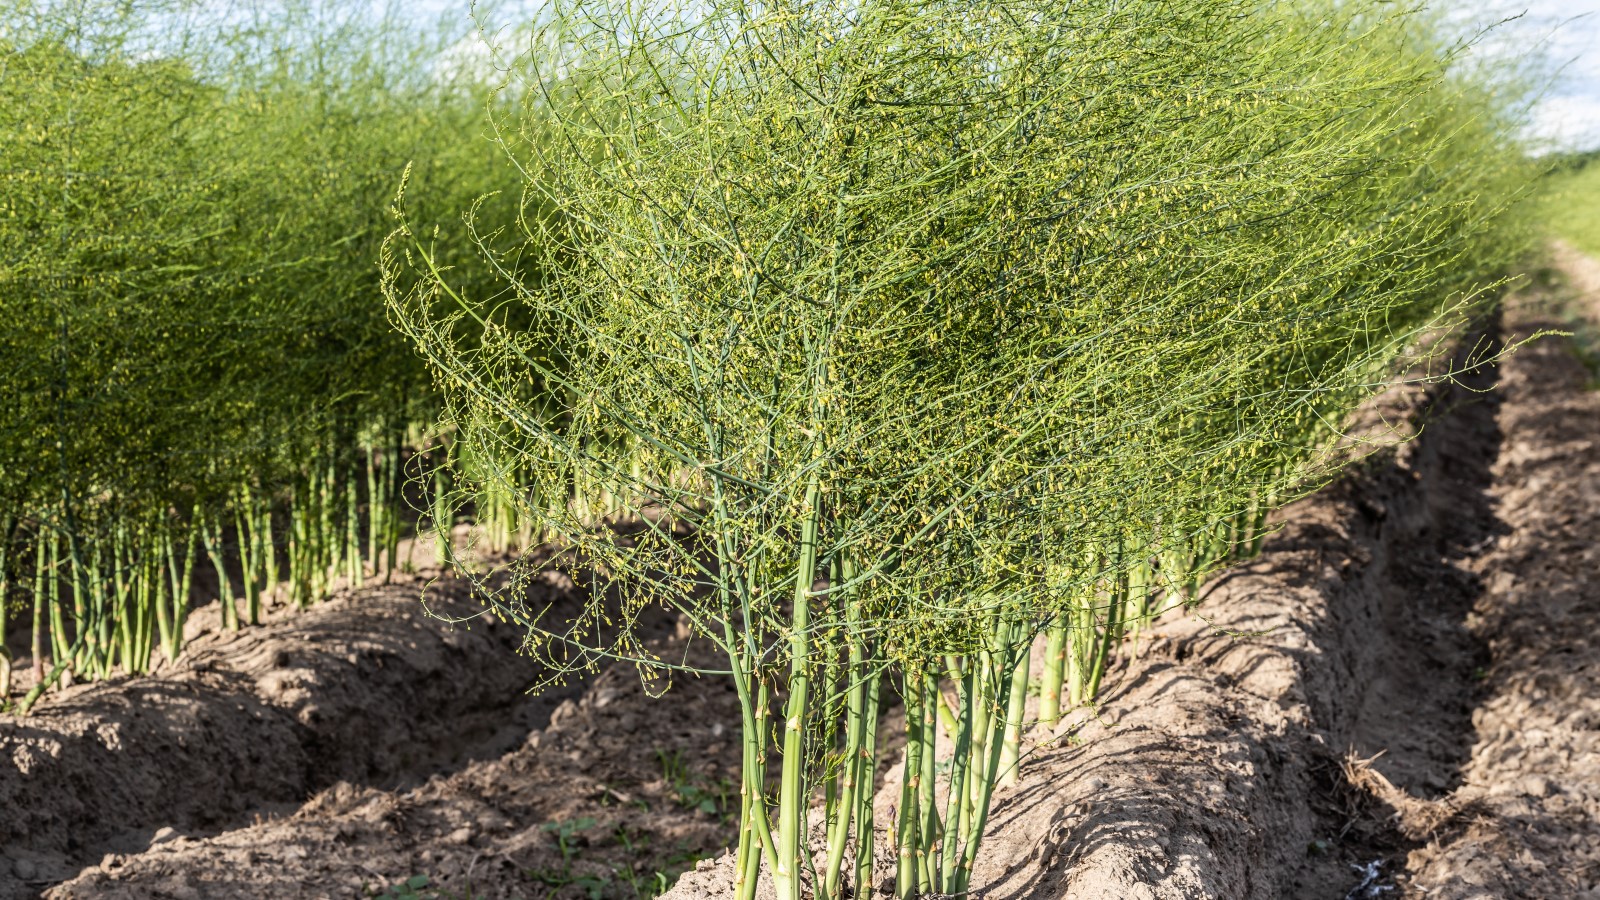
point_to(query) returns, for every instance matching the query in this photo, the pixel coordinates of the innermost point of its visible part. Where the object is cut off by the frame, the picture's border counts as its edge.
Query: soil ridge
(365, 688)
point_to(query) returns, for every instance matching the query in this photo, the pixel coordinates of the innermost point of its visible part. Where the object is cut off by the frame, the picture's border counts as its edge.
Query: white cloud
(1568, 122)
(1561, 40)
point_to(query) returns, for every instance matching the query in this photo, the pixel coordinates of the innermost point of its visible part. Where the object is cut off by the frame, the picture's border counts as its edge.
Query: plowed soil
(1400, 697)
(1525, 819)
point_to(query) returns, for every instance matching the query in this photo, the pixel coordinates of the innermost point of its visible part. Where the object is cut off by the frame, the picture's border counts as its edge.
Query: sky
(1563, 33)
(1567, 34)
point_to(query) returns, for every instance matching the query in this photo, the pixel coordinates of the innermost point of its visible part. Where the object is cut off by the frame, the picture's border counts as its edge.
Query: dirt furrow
(616, 795)
(365, 689)
(1526, 820)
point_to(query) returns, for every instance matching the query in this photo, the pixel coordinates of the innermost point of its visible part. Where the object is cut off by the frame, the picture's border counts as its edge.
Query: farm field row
(932, 408)
(1269, 765)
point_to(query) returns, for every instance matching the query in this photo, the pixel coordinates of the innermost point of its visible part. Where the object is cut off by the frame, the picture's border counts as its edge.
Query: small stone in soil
(1536, 786)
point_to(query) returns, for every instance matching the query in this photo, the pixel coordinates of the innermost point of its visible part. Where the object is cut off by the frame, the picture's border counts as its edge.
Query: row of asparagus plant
(896, 338)
(100, 598)
(204, 396)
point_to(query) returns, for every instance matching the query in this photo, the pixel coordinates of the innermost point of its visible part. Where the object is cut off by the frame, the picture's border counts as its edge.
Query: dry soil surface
(1525, 820)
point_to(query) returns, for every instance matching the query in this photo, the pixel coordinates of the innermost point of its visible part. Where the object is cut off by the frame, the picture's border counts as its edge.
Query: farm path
(1525, 822)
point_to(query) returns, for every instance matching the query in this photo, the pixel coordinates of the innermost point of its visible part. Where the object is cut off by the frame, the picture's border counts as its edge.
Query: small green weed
(610, 795)
(710, 798)
(567, 841)
(648, 886)
(417, 888)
